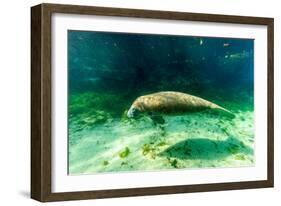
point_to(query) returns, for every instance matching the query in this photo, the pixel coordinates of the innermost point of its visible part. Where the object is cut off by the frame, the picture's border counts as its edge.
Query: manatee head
(133, 112)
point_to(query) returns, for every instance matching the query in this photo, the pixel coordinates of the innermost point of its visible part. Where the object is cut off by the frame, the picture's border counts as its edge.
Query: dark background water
(130, 65)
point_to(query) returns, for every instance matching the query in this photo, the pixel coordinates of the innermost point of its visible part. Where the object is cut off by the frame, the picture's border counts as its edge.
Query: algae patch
(124, 153)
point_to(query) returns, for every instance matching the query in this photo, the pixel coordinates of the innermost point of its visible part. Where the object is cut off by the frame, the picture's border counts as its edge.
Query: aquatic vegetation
(162, 143)
(173, 162)
(105, 163)
(146, 148)
(224, 129)
(149, 150)
(124, 153)
(233, 148)
(96, 117)
(124, 116)
(124, 163)
(240, 157)
(93, 102)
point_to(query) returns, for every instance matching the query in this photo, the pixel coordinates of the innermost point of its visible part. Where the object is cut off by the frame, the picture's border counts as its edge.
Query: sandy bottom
(198, 140)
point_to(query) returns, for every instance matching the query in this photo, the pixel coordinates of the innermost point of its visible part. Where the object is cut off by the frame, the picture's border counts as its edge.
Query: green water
(108, 71)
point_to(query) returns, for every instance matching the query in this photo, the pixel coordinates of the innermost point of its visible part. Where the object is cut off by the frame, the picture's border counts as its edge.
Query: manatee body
(169, 102)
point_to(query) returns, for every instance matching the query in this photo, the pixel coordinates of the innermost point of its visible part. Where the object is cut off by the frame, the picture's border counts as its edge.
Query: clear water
(108, 71)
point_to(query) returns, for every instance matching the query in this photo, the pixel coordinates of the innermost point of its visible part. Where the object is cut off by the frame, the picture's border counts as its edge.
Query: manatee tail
(225, 111)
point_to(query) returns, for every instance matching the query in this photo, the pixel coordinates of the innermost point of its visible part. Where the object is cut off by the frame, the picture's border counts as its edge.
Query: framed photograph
(130, 102)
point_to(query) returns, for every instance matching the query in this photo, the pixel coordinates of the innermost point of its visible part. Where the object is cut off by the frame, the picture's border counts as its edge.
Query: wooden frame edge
(270, 102)
(36, 58)
(41, 102)
(158, 14)
(84, 195)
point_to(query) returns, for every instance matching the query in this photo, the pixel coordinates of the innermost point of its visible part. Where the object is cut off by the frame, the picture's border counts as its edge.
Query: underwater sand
(197, 140)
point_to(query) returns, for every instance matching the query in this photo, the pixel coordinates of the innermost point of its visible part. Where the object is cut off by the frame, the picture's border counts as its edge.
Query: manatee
(170, 102)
